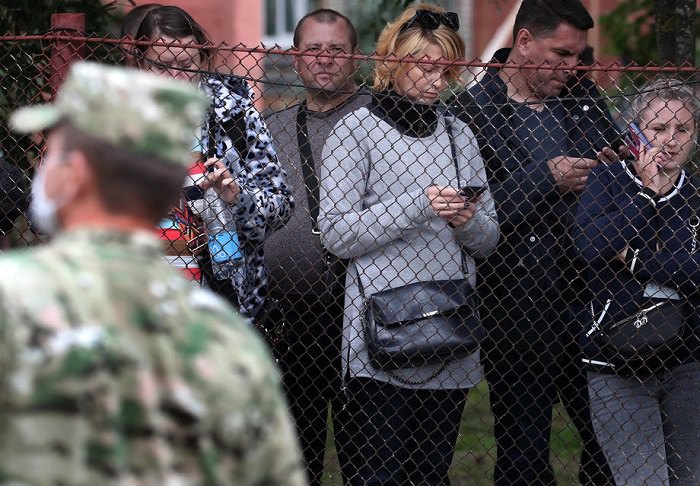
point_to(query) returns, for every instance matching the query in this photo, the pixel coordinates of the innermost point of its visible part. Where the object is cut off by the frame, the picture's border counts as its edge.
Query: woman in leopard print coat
(263, 201)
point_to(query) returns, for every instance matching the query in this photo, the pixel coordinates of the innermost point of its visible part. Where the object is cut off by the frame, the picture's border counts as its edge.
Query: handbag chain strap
(404, 381)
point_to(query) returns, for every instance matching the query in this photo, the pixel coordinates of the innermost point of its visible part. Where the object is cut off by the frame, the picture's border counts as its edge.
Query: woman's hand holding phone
(644, 153)
(647, 168)
(452, 205)
(635, 140)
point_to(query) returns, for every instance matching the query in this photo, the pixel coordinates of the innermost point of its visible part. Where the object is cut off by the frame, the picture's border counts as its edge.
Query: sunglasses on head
(432, 20)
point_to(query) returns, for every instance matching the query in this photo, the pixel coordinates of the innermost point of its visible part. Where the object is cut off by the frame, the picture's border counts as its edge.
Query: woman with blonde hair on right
(637, 225)
(391, 203)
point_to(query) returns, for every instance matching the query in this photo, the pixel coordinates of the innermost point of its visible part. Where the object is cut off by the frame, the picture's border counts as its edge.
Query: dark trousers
(402, 436)
(531, 360)
(311, 367)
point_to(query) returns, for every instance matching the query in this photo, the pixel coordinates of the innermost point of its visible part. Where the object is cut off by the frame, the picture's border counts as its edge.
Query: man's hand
(608, 155)
(450, 205)
(221, 180)
(571, 173)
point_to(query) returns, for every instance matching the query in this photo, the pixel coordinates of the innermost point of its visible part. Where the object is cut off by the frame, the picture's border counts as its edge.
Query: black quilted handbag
(421, 323)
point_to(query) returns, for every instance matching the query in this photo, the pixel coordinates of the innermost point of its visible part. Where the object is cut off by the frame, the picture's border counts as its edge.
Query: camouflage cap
(132, 109)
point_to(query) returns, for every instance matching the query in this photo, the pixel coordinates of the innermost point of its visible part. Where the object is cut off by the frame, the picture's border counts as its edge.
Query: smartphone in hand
(472, 192)
(634, 139)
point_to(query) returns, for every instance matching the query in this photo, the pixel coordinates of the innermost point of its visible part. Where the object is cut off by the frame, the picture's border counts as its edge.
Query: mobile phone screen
(635, 138)
(471, 192)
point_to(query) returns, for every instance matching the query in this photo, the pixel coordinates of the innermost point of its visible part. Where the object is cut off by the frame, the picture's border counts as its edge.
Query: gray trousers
(649, 428)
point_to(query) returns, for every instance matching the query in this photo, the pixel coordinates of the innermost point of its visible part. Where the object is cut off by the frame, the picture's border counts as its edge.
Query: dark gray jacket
(293, 255)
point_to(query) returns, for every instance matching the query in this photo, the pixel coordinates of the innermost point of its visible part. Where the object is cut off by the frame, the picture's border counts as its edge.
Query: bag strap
(694, 220)
(694, 204)
(453, 146)
(693, 223)
(453, 150)
(311, 183)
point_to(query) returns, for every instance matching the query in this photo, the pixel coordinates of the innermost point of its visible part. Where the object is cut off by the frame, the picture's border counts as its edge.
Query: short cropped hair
(393, 42)
(174, 22)
(542, 17)
(128, 182)
(325, 16)
(666, 89)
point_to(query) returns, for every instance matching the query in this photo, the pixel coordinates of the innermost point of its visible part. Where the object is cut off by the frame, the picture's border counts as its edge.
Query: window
(281, 16)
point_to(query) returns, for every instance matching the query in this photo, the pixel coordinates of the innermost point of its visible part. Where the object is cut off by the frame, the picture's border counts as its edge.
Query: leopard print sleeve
(235, 127)
(266, 201)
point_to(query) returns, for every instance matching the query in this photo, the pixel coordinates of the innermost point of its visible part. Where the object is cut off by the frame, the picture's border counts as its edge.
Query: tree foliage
(370, 18)
(676, 36)
(652, 31)
(23, 64)
(34, 16)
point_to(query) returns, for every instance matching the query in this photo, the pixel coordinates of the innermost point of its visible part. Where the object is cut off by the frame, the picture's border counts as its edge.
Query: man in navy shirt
(541, 130)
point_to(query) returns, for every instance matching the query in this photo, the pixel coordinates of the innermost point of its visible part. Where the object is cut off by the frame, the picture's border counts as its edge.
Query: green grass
(475, 452)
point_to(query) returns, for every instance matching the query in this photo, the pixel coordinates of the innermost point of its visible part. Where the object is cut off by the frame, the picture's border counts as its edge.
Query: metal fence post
(65, 52)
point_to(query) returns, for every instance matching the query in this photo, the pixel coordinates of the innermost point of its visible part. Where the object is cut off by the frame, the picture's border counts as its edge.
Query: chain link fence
(571, 267)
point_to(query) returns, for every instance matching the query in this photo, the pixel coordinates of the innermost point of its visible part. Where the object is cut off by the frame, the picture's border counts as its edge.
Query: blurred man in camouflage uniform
(113, 369)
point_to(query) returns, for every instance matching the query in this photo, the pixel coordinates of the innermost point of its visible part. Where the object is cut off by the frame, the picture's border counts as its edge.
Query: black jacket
(612, 215)
(534, 215)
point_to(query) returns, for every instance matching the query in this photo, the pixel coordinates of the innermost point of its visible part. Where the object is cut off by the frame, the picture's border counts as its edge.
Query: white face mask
(43, 211)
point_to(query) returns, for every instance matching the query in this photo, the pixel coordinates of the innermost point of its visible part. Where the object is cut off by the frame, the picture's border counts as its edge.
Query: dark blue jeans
(402, 436)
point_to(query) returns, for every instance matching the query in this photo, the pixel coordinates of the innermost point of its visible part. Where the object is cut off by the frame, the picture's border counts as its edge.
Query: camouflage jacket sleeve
(266, 199)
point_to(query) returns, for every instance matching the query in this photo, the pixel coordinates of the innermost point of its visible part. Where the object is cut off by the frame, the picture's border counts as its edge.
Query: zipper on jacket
(596, 323)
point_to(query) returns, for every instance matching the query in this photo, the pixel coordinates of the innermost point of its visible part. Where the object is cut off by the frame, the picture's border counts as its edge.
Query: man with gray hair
(307, 280)
(113, 369)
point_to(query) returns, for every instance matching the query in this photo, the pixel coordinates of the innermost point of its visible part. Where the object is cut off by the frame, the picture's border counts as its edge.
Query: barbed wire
(264, 79)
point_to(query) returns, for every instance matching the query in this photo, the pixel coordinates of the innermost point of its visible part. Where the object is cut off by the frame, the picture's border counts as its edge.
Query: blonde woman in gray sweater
(390, 202)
